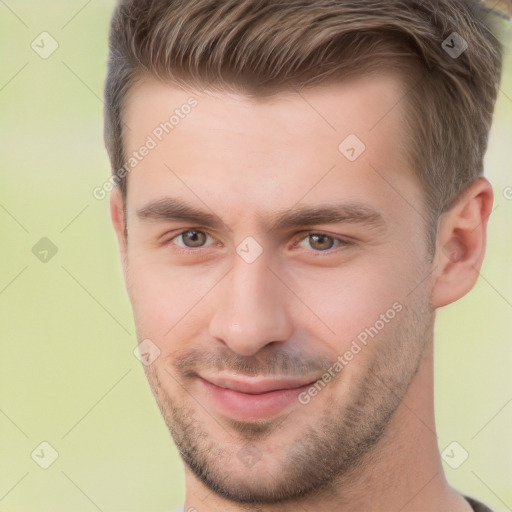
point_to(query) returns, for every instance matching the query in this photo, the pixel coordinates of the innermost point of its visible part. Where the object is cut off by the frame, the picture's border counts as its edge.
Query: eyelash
(342, 243)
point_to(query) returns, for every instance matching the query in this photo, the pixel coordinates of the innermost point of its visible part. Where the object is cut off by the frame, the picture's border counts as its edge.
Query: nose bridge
(251, 308)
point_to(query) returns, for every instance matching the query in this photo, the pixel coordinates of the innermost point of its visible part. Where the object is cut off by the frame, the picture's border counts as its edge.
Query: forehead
(333, 139)
(359, 104)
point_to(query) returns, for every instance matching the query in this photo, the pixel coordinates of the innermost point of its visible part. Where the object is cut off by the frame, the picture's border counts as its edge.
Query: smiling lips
(245, 398)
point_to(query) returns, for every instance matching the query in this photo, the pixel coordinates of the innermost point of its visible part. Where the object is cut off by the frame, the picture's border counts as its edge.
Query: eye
(194, 239)
(321, 242)
(191, 239)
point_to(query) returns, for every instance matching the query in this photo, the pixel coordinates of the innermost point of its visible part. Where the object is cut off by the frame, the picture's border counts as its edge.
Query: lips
(256, 385)
(250, 398)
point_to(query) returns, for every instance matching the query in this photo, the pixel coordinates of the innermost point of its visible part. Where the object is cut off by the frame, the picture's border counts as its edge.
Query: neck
(402, 473)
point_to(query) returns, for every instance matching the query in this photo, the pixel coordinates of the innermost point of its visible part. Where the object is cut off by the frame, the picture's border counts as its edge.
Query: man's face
(253, 303)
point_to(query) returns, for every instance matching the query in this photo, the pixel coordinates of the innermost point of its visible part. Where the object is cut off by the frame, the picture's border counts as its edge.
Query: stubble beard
(338, 442)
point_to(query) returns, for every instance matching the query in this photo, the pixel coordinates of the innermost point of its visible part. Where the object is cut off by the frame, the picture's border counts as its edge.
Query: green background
(68, 375)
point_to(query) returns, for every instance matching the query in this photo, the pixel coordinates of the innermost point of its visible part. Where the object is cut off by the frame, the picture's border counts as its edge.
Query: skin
(367, 441)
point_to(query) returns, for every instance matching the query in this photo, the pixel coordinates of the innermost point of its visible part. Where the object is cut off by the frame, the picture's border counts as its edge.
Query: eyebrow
(170, 209)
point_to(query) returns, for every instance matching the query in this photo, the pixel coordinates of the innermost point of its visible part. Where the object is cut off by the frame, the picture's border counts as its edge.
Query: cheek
(335, 306)
(158, 298)
(350, 300)
(169, 302)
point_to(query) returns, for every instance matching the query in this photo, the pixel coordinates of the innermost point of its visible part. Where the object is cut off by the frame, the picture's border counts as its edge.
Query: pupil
(321, 240)
(194, 237)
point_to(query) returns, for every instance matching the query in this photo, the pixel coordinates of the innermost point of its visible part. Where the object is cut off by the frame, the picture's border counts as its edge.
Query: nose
(251, 308)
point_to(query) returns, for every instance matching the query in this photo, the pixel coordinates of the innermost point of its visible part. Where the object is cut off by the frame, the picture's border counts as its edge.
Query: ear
(117, 215)
(461, 243)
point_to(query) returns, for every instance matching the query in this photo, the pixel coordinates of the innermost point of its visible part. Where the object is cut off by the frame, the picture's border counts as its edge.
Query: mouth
(252, 398)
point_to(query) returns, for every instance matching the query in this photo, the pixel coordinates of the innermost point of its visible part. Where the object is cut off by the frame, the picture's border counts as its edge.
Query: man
(299, 188)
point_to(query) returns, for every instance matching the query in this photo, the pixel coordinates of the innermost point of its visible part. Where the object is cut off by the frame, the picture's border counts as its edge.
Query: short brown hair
(259, 47)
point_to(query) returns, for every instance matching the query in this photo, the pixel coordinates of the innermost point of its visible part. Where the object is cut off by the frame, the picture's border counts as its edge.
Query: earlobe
(461, 243)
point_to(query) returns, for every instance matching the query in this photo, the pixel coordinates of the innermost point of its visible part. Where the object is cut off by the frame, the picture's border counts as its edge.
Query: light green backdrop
(68, 375)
